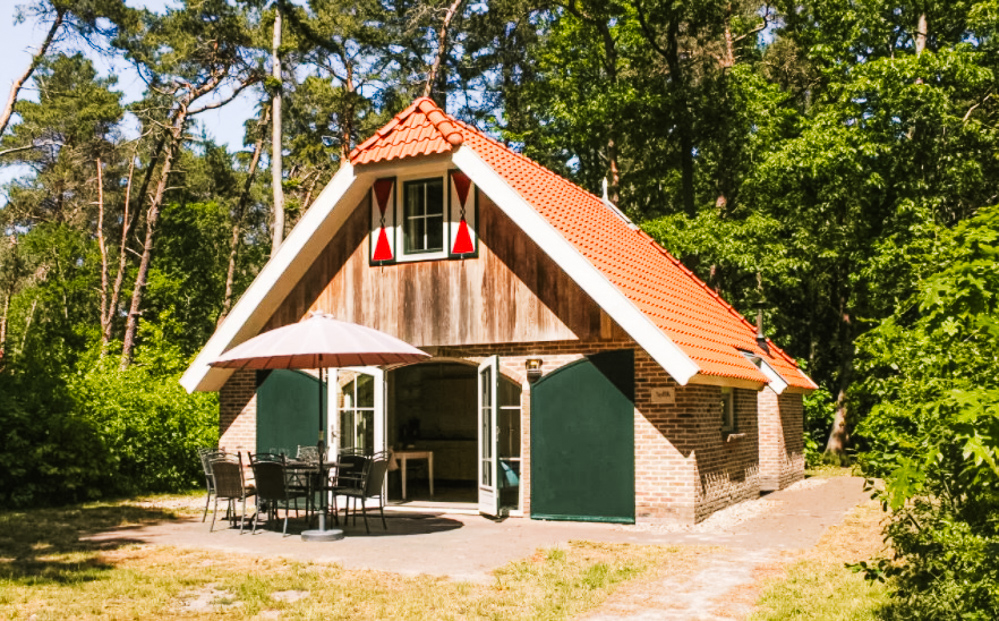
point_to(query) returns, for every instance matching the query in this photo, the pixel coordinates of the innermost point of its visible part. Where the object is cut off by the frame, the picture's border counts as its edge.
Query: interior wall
(432, 406)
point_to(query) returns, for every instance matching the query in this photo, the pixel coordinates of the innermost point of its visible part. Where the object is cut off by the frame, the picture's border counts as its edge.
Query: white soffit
(775, 381)
(277, 278)
(663, 350)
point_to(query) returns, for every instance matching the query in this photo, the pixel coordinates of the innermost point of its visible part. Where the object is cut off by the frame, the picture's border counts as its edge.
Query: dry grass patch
(47, 572)
(817, 585)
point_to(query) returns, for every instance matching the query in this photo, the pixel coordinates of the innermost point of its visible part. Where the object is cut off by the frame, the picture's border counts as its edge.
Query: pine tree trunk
(152, 217)
(102, 246)
(15, 88)
(839, 434)
(684, 123)
(237, 222)
(107, 321)
(277, 172)
(436, 69)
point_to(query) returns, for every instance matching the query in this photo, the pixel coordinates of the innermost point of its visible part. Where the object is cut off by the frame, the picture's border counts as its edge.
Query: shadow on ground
(396, 525)
(50, 546)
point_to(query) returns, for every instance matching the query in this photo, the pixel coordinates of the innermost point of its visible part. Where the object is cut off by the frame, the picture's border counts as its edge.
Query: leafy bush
(931, 390)
(48, 453)
(99, 431)
(820, 410)
(149, 426)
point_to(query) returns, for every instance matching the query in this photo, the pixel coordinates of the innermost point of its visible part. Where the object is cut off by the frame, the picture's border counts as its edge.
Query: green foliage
(101, 432)
(931, 390)
(820, 410)
(149, 427)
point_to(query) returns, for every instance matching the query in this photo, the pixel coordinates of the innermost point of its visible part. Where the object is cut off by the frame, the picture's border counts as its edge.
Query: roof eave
(255, 307)
(590, 279)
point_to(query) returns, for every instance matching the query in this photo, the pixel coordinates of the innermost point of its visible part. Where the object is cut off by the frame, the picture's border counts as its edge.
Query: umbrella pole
(322, 534)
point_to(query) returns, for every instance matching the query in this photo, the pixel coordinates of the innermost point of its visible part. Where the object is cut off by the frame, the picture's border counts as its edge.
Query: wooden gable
(511, 292)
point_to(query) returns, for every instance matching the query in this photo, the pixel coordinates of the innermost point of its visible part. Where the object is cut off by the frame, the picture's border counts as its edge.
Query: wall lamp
(534, 369)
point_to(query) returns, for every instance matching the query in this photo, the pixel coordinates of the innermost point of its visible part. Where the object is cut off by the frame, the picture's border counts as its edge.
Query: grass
(48, 572)
(828, 471)
(819, 586)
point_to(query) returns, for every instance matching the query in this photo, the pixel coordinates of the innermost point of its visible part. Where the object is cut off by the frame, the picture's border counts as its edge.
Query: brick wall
(782, 458)
(685, 467)
(238, 412)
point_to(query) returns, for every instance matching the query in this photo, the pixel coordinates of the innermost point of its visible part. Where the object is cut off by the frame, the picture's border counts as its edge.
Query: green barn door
(583, 441)
(287, 411)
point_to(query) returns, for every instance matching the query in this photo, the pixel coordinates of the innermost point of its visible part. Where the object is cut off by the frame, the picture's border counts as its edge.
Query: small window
(423, 216)
(727, 411)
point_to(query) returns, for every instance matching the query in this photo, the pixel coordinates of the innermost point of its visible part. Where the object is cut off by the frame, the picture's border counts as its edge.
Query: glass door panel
(488, 437)
(362, 410)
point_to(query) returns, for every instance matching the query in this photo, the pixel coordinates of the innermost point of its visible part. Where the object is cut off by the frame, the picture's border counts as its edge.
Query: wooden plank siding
(511, 293)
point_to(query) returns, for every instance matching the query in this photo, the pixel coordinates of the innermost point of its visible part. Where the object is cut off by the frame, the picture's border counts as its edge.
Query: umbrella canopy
(317, 342)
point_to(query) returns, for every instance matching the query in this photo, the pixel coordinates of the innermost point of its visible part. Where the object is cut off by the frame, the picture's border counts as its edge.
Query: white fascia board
(777, 383)
(272, 285)
(590, 279)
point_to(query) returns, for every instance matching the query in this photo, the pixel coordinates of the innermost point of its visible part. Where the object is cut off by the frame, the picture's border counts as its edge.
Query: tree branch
(35, 60)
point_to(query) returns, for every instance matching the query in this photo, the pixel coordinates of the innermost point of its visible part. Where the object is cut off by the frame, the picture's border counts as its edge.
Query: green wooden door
(583, 441)
(287, 411)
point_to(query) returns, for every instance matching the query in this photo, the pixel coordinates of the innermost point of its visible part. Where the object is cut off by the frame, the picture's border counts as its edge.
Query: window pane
(423, 216)
(365, 391)
(435, 198)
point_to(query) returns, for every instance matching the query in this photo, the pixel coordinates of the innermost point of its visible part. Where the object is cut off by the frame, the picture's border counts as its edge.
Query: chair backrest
(375, 475)
(269, 479)
(207, 455)
(273, 457)
(350, 470)
(228, 475)
(308, 453)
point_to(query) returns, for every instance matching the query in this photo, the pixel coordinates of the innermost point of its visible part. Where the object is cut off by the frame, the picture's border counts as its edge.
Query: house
(578, 370)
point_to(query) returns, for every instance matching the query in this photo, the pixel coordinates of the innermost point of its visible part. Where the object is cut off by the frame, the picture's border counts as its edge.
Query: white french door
(359, 422)
(489, 499)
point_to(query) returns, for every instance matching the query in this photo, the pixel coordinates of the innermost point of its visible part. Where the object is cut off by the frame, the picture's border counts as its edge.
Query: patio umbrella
(319, 342)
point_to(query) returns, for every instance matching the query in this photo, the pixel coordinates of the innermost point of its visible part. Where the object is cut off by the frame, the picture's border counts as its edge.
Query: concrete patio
(469, 547)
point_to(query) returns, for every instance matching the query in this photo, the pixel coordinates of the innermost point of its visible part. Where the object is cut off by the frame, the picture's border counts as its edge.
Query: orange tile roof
(689, 312)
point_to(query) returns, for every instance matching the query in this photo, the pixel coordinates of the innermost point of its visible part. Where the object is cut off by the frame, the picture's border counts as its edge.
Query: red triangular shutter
(383, 188)
(463, 241)
(382, 250)
(461, 184)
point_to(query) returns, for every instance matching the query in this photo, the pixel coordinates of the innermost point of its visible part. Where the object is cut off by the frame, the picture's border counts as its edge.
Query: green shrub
(100, 432)
(149, 426)
(931, 391)
(48, 453)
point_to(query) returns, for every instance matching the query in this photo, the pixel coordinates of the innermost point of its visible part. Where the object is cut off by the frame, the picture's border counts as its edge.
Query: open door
(489, 498)
(360, 420)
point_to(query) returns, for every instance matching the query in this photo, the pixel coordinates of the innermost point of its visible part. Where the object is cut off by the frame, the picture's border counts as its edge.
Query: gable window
(727, 410)
(423, 216)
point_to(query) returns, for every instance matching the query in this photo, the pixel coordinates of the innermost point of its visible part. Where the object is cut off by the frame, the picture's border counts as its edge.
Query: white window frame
(401, 220)
(728, 418)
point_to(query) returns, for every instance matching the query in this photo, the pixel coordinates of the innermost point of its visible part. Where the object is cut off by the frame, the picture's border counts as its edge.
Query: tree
(931, 394)
(185, 56)
(89, 21)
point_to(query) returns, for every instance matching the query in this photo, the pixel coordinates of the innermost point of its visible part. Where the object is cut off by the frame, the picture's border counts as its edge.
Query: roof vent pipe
(761, 338)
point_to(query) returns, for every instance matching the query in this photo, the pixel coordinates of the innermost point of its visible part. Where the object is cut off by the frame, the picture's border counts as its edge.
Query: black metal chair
(273, 490)
(227, 472)
(349, 475)
(207, 455)
(369, 485)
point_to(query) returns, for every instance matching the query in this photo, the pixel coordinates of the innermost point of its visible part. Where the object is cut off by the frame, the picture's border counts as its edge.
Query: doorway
(433, 407)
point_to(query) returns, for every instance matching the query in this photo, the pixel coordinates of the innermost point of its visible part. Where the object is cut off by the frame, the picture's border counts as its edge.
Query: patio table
(404, 456)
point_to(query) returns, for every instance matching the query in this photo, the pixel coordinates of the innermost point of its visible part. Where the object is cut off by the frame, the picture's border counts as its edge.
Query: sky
(18, 41)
